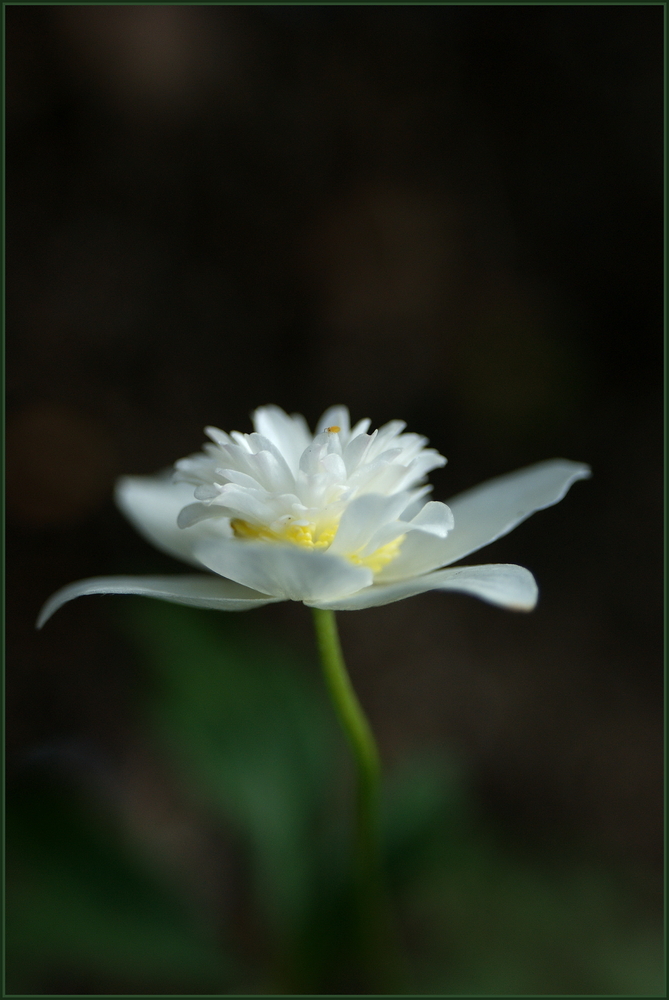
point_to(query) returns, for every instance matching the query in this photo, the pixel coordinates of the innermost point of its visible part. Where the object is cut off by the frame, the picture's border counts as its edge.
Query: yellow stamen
(305, 535)
(245, 530)
(308, 536)
(377, 560)
(334, 429)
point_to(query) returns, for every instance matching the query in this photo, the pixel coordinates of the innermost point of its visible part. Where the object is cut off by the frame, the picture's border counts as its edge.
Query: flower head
(341, 490)
(337, 519)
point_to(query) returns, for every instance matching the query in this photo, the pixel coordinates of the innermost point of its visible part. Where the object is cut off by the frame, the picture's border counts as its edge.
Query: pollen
(377, 560)
(243, 529)
(307, 536)
(334, 429)
(316, 538)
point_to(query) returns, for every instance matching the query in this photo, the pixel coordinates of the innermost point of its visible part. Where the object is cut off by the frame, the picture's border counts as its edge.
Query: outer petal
(484, 514)
(200, 591)
(152, 505)
(506, 585)
(287, 572)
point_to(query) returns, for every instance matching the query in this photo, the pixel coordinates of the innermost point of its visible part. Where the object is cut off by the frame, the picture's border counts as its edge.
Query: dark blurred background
(452, 215)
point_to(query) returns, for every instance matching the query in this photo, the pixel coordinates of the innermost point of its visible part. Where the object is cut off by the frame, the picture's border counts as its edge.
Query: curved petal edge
(502, 584)
(196, 590)
(484, 514)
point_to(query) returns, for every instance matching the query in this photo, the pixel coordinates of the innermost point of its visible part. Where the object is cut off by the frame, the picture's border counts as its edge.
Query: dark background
(452, 215)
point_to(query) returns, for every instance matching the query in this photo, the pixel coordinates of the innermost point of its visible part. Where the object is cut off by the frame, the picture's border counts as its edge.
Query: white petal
(250, 504)
(355, 451)
(241, 441)
(287, 572)
(483, 514)
(419, 466)
(336, 416)
(334, 466)
(200, 591)
(152, 505)
(361, 427)
(208, 492)
(386, 434)
(364, 516)
(198, 469)
(435, 518)
(311, 457)
(416, 506)
(508, 586)
(231, 476)
(193, 513)
(290, 434)
(273, 470)
(217, 435)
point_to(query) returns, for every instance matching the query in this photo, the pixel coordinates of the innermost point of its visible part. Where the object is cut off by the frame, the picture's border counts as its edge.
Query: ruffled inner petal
(435, 518)
(193, 513)
(363, 517)
(336, 416)
(290, 434)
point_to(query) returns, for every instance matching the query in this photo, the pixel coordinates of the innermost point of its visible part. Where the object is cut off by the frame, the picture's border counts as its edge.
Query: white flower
(337, 520)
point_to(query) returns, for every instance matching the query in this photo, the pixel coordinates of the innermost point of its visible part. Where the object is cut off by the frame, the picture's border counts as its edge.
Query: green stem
(377, 935)
(359, 735)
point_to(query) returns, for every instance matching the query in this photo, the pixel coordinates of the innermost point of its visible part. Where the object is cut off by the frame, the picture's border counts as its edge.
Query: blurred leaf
(426, 802)
(481, 918)
(251, 734)
(492, 922)
(78, 899)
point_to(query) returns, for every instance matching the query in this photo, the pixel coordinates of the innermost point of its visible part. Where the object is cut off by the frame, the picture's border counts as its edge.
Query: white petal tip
(191, 514)
(44, 615)
(524, 606)
(581, 470)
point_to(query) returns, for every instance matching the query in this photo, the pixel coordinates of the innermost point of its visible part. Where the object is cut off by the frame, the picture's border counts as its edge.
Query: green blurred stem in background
(373, 918)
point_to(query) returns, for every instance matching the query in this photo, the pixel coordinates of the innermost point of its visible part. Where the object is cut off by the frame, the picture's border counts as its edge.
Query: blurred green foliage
(250, 740)
(79, 901)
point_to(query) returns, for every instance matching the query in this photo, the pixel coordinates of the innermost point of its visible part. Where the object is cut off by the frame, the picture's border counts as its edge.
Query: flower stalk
(372, 915)
(358, 733)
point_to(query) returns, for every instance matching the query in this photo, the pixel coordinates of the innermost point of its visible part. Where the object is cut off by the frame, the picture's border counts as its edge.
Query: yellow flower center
(308, 536)
(377, 560)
